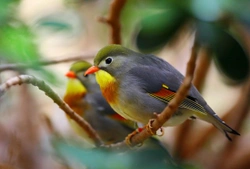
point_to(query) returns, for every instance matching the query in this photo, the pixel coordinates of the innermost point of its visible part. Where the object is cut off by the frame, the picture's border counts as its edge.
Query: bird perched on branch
(138, 85)
(83, 95)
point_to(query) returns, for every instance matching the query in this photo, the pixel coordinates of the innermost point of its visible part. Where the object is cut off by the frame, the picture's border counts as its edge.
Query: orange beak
(91, 70)
(70, 74)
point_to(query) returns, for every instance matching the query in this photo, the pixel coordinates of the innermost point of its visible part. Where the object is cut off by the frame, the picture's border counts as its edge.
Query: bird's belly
(178, 117)
(142, 108)
(143, 117)
(122, 111)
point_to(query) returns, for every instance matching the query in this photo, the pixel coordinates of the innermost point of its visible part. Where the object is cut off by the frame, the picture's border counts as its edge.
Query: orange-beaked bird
(83, 95)
(138, 85)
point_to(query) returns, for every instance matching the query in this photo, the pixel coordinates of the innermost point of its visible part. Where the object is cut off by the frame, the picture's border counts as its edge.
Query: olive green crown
(80, 66)
(110, 50)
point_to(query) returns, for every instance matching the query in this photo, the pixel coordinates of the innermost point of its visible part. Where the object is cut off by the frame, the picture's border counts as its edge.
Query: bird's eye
(108, 60)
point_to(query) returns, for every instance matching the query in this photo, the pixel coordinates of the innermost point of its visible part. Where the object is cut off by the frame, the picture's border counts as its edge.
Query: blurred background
(34, 132)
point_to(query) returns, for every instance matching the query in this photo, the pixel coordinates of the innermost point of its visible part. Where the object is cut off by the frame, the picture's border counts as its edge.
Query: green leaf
(67, 21)
(55, 25)
(206, 10)
(238, 9)
(17, 44)
(230, 56)
(7, 10)
(158, 28)
(104, 159)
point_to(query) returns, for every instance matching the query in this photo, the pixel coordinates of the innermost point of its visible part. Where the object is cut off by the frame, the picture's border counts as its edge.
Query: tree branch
(113, 20)
(27, 79)
(5, 67)
(203, 65)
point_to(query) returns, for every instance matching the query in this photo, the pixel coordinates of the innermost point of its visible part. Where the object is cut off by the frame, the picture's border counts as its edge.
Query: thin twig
(27, 79)
(170, 109)
(5, 67)
(203, 64)
(113, 20)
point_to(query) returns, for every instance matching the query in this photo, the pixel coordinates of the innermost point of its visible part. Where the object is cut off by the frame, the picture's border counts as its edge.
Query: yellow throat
(107, 85)
(74, 95)
(74, 87)
(104, 79)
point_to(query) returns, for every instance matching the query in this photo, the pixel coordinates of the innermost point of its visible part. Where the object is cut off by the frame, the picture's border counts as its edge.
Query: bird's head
(111, 62)
(76, 73)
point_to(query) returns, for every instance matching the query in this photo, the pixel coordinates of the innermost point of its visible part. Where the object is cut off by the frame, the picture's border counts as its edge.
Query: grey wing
(158, 72)
(152, 80)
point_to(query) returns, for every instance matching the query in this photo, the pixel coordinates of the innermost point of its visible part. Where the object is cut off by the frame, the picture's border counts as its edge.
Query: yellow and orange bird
(83, 95)
(136, 85)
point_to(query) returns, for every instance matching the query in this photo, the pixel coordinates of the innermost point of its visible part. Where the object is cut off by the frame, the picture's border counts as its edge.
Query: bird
(138, 85)
(83, 95)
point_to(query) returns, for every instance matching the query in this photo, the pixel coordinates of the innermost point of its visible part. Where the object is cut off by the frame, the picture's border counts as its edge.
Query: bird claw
(161, 132)
(150, 128)
(128, 138)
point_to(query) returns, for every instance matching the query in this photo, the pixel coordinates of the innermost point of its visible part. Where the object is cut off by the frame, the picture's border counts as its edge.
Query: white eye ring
(108, 60)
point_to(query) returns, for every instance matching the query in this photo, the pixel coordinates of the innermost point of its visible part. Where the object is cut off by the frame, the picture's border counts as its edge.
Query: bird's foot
(128, 138)
(150, 128)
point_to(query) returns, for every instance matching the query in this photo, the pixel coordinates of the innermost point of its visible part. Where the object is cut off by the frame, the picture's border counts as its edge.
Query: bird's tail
(218, 123)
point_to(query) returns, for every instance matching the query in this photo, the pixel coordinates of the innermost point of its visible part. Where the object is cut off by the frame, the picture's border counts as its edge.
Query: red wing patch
(166, 95)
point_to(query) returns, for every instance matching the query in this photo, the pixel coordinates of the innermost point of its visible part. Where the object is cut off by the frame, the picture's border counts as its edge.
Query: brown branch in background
(242, 162)
(183, 132)
(200, 140)
(235, 117)
(172, 106)
(22, 79)
(236, 151)
(203, 64)
(5, 67)
(113, 20)
(26, 153)
(238, 114)
(243, 34)
(6, 166)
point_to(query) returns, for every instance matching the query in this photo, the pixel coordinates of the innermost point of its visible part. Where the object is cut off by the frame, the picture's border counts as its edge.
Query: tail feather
(218, 123)
(222, 126)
